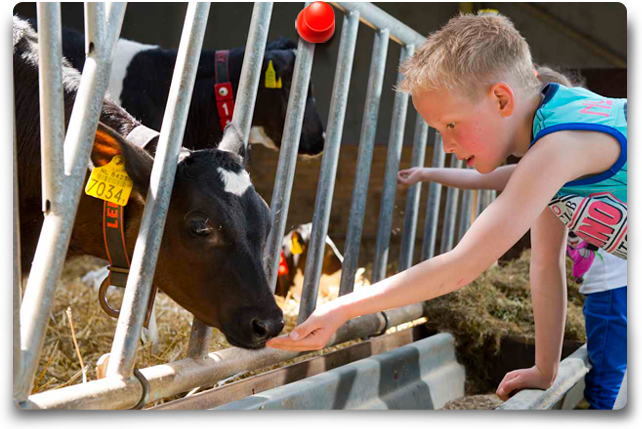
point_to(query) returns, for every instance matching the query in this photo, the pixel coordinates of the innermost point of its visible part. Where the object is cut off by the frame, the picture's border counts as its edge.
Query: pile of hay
(495, 306)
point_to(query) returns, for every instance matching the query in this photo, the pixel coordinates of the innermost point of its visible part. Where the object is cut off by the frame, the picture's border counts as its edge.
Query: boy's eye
(451, 125)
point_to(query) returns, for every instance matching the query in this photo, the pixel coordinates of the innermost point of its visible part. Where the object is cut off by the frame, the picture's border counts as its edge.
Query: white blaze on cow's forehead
(123, 55)
(235, 183)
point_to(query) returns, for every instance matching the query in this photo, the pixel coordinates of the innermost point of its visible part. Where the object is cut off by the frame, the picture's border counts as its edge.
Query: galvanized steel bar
(450, 216)
(288, 152)
(325, 189)
(52, 112)
(464, 216)
(364, 161)
(152, 224)
(57, 226)
(377, 19)
(251, 69)
(400, 108)
(412, 198)
(17, 271)
(184, 375)
(244, 110)
(434, 201)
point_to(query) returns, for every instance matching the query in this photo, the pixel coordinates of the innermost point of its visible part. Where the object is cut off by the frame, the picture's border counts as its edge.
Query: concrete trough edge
(421, 375)
(565, 393)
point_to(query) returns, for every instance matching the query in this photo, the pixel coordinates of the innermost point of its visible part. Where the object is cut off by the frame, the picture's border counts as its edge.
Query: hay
(494, 306)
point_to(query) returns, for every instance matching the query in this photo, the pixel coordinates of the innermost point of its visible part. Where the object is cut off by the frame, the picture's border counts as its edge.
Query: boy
(473, 82)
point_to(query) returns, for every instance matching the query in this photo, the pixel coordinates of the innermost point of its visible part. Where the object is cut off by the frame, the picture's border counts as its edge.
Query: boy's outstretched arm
(548, 294)
(457, 177)
(535, 180)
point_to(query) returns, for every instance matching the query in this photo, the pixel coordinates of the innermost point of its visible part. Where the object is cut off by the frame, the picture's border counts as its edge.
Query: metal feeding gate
(64, 171)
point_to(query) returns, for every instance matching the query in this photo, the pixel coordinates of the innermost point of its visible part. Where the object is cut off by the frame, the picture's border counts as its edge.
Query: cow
(141, 76)
(216, 226)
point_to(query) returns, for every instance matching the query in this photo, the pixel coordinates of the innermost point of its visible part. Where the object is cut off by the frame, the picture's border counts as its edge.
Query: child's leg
(605, 314)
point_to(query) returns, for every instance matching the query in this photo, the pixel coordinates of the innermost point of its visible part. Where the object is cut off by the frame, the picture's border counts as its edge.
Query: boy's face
(473, 131)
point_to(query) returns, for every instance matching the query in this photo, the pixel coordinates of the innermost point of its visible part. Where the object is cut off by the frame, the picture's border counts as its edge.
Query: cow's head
(272, 102)
(212, 246)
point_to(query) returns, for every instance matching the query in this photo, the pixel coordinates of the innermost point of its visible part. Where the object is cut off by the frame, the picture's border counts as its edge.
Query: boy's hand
(407, 178)
(313, 334)
(530, 378)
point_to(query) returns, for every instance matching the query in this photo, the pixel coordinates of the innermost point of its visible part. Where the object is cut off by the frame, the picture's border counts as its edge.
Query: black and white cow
(216, 226)
(141, 77)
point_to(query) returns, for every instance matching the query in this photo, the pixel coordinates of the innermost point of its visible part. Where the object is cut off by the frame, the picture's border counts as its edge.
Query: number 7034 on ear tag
(110, 182)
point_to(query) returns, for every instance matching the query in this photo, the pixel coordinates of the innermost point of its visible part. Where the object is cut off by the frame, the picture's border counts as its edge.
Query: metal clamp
(146, 388)
(386, 325)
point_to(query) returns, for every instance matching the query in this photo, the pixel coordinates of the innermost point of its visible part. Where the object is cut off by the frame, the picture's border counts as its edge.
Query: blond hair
(548, 75)
(468, 54)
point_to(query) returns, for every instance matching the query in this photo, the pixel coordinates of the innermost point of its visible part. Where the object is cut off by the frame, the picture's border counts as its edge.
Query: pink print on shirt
(599, 104)
(600, 219)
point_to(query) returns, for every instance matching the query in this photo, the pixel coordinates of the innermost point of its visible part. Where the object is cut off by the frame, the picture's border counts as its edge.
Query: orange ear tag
(110, 182)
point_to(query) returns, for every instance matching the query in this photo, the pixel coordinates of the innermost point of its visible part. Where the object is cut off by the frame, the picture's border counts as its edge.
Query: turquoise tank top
(595, 208)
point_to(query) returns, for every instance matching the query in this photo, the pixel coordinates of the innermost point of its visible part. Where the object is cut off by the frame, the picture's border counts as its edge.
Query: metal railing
(123, 387)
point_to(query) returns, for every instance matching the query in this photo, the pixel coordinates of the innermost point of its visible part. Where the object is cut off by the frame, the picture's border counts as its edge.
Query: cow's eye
(200, 228)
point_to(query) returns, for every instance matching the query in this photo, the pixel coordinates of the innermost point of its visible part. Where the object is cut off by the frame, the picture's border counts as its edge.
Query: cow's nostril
(260, 329)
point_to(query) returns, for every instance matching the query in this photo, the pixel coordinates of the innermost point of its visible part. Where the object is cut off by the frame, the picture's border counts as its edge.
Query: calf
(141, 76)
(217, 224)
(294, 257)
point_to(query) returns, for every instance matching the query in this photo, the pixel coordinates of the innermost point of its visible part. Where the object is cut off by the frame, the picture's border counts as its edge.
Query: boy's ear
(138, 163)
(504, 97)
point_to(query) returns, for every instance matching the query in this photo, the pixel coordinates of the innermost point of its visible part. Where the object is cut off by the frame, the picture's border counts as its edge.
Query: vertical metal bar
(395, 142)
(282, 190)
(57, 226)
(412, 198)
(149, 239)
(364, 160)
(18, 381)
(452, 201)
(251, 69)
(325, 189)
(434, 201)
(244, 109)
(464, 217)
(199, 339)
(52, 112)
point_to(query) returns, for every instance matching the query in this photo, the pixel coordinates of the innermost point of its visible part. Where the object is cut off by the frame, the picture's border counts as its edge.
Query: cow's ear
(138, 163)
(232, 141)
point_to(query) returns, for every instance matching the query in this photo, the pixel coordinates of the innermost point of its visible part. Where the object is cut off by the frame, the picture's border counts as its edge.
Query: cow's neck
(87, 237)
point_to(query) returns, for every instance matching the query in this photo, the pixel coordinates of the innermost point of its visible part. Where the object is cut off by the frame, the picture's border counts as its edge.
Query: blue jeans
(605, 316)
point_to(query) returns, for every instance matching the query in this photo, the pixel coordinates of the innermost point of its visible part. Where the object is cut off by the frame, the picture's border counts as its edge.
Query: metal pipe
(412, 198)
(139, 282)
(17, 270)
(251, 69)
(434, 201)
(400, 108)
(364, 161)
(52, 112)
(452, 203)
(199, 339)
(464, 216)
(377, 19)
(184, 375)
(325, 189)
(56, 229)
(280, 203)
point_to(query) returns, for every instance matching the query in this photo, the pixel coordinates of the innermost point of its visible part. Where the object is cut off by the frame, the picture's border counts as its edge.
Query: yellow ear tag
(110, 182)
(296, 246)
(270, 77)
